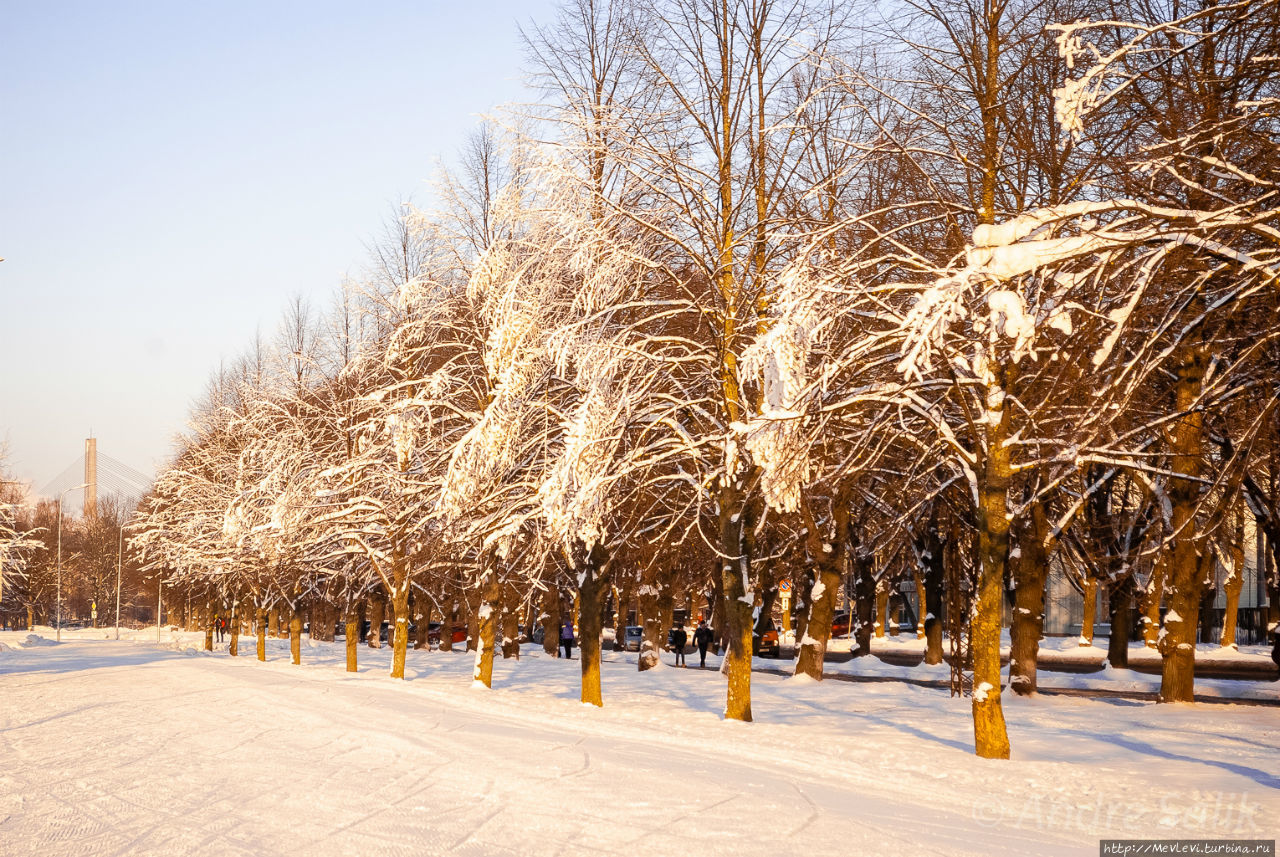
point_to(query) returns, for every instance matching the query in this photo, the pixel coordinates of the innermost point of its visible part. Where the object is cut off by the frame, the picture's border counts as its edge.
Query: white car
(632, 637)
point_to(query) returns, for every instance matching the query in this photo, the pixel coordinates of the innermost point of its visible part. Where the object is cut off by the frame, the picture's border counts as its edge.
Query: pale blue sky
(171, 173)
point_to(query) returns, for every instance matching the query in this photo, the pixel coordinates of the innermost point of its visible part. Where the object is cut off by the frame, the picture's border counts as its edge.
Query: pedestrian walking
(566, 638)
(702, 639)
(217, 627)
(678, 639)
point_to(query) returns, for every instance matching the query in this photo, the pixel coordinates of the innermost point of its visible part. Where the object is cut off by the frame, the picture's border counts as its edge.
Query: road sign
(93, 609)
(784, 587)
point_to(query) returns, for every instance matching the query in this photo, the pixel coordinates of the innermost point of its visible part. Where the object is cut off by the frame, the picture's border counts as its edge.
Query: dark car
(383, 634)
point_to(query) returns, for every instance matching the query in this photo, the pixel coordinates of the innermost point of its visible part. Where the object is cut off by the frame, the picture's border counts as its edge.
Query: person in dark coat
(566, 638)
(1275, 647)
(702, 639)
(678, 639)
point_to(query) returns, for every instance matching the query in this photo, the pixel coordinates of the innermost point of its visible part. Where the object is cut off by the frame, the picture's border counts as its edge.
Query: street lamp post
(119, 560)
(60, 496)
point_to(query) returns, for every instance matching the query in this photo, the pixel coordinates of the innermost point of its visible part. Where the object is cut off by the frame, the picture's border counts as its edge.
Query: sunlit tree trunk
(920, 597)
(829, 558)
(882, 608)
(487, 624)
(295, 633)
(991, 738)
(400, 585)
(1177, 643)
(1233, 584)
(233, 628)
(735, 570)
(208, 628)
(1090, 610)
(593, 585)
(351, 637)
(1151, 601)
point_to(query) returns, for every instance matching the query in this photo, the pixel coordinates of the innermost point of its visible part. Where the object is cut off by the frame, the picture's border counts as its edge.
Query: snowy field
(132, 747)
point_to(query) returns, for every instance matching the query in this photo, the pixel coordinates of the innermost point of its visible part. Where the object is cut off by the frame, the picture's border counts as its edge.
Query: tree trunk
(447, 621)
(1177, 643)
(716, 620)
(1151, 602)
(377, 613)
(351, 637)
(295, 634)
(233, 628)
(920, 599)
(593, 585)
(653, 594)
(882, 608)
(1031, 569)
(830, 560)
(262, 633)
(1120, 606)
(735, 576)
(1232, 585)
(1208, 591)
(550, 620)
(400, 611)
(273, 619)
(991, 737)
(862, 615)
(208, 629)
(422, 619)
(623, 593)
(934, 556)
(510, 623)
(487, 622)
(801, 586)
(1090, 597)
(473, 601)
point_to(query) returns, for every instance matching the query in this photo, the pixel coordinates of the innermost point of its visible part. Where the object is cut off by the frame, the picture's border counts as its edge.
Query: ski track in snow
(123, 748)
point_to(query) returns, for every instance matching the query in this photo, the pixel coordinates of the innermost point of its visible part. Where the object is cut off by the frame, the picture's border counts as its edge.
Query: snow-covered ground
(134, 747)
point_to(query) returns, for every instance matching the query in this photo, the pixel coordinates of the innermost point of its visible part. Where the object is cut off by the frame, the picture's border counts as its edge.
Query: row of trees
(806, 291)
(94, 563)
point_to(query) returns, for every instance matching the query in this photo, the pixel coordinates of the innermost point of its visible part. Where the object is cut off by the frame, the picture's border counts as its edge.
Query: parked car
(632, 636)
(433, 633)
(766, 645)
(840, 624)
(383, 634)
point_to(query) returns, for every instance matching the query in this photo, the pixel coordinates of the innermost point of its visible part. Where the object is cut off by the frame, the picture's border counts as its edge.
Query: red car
(433, 633)
(840, 625)
(766, 645)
